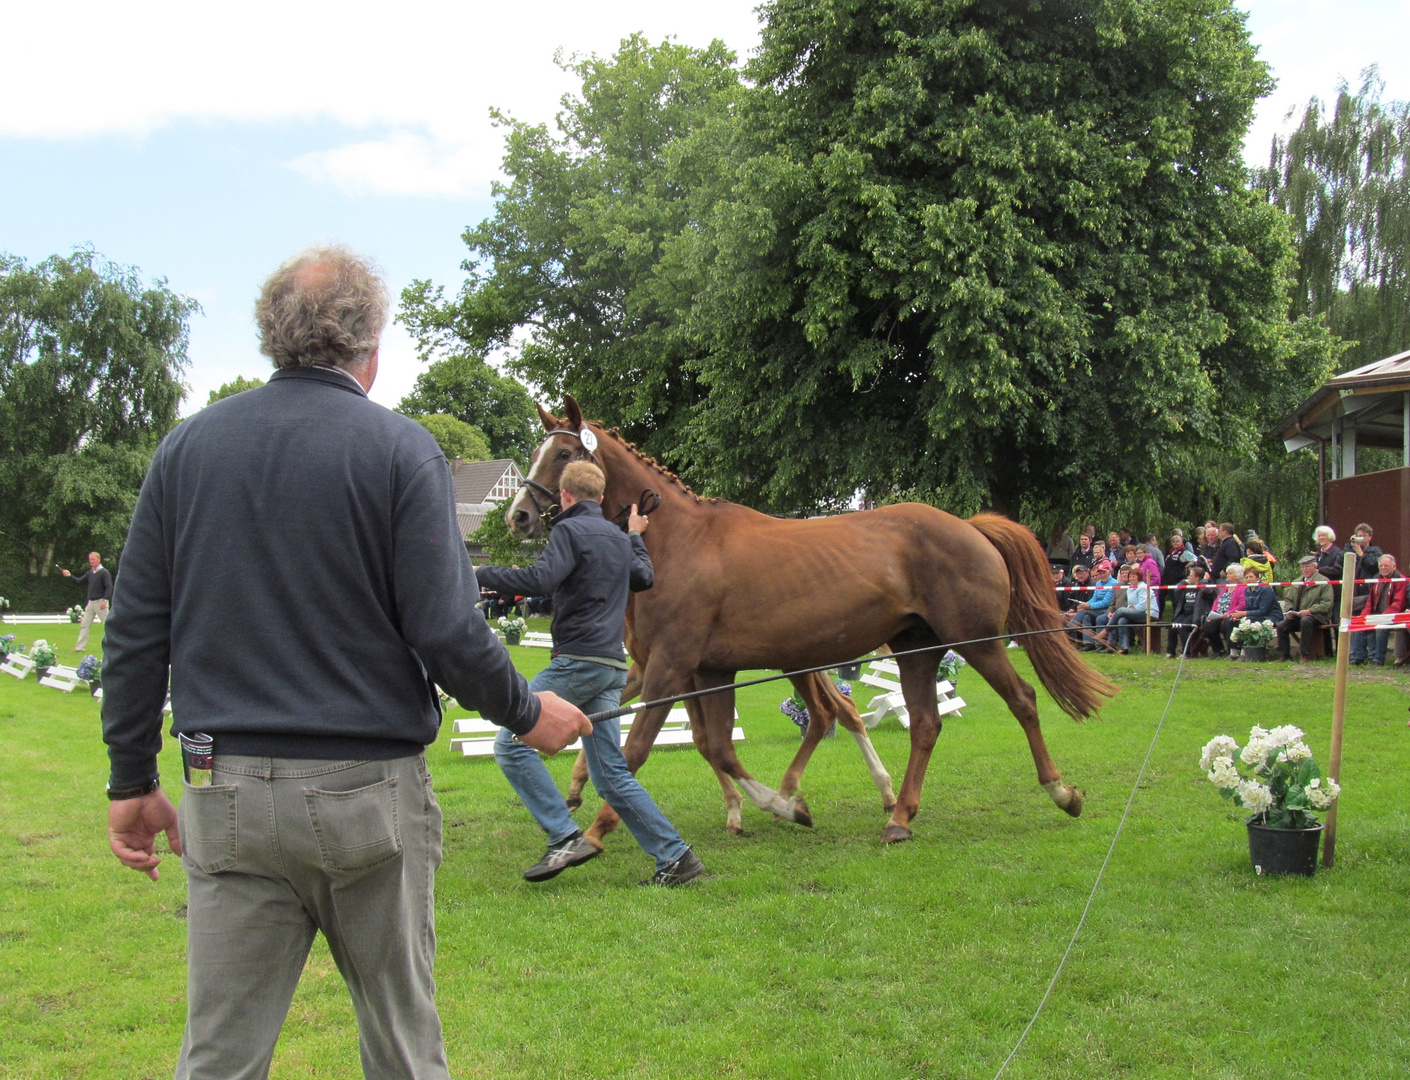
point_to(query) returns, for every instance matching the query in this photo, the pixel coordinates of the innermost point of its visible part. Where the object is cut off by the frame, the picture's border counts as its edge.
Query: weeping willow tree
(1342, 177)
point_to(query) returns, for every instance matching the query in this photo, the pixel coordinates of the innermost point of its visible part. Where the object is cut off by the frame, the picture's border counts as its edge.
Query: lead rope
(1184, 655)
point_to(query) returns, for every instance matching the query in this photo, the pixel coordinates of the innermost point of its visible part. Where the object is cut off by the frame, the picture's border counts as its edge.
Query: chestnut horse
(736, 590)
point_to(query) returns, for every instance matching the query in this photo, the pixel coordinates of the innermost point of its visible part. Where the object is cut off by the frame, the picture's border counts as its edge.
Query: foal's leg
(734, 821)
(718, 716)
(991, 660)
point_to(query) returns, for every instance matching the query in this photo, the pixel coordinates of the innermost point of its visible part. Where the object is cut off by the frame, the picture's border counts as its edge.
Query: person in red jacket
(1387, 597)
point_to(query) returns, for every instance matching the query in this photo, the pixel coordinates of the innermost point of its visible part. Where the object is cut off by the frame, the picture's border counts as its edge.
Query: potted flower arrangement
(1276, 778)
(44, 657)
(90, 670)
(950, 665)
(75, 614)
(795, 709)
(8, 644)
(1253, 638)
(513, 627)
(4, 604)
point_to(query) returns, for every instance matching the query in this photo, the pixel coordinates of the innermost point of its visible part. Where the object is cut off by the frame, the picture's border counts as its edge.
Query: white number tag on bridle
(589, 440)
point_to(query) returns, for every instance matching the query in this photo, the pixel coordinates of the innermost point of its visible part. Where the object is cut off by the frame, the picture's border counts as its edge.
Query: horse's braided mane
(655, 465)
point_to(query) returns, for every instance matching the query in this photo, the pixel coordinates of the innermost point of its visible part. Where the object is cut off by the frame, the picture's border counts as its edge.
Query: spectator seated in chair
(1260, 599)
(1139, 605)
(1228, 609)
(1070, 603)
(1189, 605)
(1093, 614)
(1309, 609)
(1386, 596)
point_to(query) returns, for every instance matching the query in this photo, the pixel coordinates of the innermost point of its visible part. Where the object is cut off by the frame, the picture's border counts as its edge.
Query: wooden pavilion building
(1367, 407)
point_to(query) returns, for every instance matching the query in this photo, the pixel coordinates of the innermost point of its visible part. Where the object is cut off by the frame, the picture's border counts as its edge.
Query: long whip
(623, 710)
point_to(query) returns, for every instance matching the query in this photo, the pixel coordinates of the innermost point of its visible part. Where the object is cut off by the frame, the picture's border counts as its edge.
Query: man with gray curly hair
(294, 562)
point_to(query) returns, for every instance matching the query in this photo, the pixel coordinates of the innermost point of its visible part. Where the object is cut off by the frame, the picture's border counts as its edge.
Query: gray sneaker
(685, 868)
(570, 852)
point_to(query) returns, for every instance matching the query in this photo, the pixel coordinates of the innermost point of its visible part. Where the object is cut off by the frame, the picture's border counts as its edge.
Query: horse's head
(538, 498)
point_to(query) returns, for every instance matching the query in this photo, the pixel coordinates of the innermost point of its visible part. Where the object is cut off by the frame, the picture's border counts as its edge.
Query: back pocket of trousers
(208, 822)
(356, 829)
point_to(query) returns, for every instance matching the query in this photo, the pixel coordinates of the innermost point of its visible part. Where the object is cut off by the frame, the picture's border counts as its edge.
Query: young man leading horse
(589, 567)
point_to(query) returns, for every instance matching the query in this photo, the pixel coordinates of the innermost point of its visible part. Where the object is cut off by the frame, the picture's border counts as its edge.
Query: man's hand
(133, 825)
(65, 573)
(559, 724)
(102, 605)
(636, 522)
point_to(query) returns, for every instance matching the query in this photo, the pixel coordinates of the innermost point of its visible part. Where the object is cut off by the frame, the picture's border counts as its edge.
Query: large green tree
(90, 365)
(994, 254)
(1343, 175)
(456, 438)
(463, 386)
(979, 252)
(586, 272)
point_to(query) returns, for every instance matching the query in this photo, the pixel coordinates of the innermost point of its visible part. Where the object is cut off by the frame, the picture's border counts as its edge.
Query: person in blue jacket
(1094, 614)
(589, 567)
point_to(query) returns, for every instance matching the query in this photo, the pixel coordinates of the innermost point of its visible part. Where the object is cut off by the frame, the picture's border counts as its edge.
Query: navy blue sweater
(294, 556)
(588, 567)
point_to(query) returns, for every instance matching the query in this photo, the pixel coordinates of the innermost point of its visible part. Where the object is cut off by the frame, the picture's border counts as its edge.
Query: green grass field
(805, 952)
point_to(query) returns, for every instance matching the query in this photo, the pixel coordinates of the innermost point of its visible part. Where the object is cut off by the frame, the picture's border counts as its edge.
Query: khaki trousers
(91, 610)
(276, 850)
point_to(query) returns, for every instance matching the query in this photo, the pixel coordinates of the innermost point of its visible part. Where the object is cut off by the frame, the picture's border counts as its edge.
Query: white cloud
(426, 71)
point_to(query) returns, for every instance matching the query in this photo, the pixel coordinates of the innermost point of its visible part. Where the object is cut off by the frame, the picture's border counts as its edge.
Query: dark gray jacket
(588, 567)
(294, 556)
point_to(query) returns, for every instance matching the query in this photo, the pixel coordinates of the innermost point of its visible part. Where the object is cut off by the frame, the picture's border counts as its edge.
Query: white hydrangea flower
(1285, 735)
(1221, 746)
(1298, 751)
(1254, 796)
(1256, 751)
(1322, 793)
(1223, 775)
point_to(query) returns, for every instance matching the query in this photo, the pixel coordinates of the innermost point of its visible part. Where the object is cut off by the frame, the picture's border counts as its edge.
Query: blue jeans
(593, 688)
(1124, 622)
(1362, 640)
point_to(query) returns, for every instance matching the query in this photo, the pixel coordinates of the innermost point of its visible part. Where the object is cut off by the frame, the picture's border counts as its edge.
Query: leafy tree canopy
(971, 251)
(235, 386)
(90, 366)
(501, 547)
(1344, 177)
(585, 272)
(457, 439)
(497, 406)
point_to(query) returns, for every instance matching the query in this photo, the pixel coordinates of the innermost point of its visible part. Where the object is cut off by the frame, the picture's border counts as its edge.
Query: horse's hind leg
(826, 704)
(991, 661)
(851, 719)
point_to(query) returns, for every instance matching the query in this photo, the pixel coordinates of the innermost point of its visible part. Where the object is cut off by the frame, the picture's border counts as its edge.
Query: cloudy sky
(205, 143)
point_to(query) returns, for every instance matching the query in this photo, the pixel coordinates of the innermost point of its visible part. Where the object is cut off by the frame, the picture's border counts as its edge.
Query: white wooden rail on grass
(62, 678)
(30, 620)
(17, 664)
(886, 675)
(674, 732)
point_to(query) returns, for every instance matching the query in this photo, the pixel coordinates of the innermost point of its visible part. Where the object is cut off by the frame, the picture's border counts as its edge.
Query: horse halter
(535, 489)
(649, 502)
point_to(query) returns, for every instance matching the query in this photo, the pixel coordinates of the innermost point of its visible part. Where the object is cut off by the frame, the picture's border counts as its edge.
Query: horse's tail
(1075, 686)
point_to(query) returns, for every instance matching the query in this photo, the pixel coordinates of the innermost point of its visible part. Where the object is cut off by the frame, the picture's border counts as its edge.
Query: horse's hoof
(735, 830)
(573, 801)
(895, 834)
(1074, 805)
(888, 808)
(801, 814)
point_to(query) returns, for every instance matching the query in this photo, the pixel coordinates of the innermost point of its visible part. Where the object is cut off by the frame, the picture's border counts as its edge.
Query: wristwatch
(146, 788)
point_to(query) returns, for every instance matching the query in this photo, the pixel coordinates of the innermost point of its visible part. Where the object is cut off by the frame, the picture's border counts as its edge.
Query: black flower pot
(850, 672)
(1255, 654)
(1283, 851)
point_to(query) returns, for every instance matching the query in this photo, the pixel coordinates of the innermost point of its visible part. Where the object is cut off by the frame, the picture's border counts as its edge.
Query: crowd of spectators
(1208, 583)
